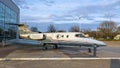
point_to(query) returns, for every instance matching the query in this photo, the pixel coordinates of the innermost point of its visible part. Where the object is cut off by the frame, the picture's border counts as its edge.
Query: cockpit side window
(80, 35)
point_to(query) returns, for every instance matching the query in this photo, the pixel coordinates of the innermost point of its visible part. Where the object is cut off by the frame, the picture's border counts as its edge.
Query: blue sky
(69, 11)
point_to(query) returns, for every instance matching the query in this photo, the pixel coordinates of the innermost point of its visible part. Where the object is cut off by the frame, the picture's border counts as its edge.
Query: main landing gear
(55, 46)
(44, 47)
(89, 49)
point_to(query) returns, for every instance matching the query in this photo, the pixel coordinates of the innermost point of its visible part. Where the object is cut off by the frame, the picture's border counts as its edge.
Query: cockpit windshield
(80, 35)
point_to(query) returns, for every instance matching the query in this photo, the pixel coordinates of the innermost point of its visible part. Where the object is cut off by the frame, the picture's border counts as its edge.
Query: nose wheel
(55, 46)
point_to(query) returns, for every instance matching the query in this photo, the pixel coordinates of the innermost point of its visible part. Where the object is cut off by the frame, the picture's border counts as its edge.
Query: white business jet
(62, 38)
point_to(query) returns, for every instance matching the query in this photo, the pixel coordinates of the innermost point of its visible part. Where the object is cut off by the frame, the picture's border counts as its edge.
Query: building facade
(9, 15)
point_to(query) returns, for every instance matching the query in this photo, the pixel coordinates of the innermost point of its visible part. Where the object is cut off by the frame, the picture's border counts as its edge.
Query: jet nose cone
(100, 43)
(103, 44)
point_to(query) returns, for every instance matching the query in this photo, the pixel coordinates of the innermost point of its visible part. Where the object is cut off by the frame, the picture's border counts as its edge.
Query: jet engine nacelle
(37, 36)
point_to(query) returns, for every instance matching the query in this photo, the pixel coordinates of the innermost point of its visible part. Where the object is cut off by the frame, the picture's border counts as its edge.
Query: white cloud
(66, 11)
(118, 24)
(85, 21)
(36, 18)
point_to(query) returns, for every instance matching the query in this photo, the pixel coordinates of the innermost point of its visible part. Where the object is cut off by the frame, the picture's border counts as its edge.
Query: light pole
(110, 15)
(80, 23)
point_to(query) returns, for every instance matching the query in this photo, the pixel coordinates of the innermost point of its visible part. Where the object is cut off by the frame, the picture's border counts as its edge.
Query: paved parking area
(65, 52)
(111, 51)
(62, 64)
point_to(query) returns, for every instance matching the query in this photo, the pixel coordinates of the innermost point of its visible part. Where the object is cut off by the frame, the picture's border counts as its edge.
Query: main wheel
(55, 46)
(44, 47)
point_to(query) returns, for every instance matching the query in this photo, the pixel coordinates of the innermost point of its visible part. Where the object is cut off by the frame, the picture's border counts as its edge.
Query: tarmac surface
(111, 51)
(114, 63)
(27, 51)
(64, 52)
(106, 63)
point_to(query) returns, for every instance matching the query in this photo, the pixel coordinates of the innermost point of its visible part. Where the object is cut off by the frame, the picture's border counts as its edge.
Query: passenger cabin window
(67, 36)
(80, 35)
(62, 36)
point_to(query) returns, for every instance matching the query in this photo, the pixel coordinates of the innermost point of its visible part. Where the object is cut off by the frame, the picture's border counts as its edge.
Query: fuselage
(61, 38)
(64, 38)
(73, 38)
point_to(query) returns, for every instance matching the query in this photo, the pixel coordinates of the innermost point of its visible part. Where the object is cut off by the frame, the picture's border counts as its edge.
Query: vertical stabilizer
(23, 29)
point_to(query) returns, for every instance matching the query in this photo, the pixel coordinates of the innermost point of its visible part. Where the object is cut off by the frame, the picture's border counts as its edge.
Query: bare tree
(61, 31)
(107, 28)
(91, 33)
(118, 29)
(74, 29)
(51, 28)
(34, 29)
